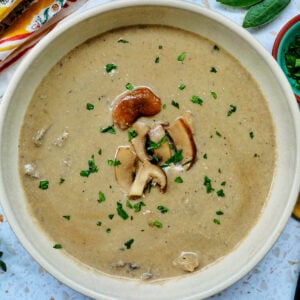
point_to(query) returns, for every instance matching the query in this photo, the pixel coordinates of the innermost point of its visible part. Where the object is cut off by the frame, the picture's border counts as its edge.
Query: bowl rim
(279, 38)
(190, 7)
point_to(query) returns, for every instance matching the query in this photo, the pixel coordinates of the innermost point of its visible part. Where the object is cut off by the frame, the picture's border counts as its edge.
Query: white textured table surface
(274, 277)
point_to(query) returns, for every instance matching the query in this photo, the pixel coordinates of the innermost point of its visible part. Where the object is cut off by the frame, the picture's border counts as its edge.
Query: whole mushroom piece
(134, 104)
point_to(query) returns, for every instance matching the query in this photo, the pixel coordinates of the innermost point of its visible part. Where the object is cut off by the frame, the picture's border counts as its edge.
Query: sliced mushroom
(125, 171)
(156, 134)
(182, 137)
(134, 104)
(139, 142)
(147, 172)
(188, 119)
(187, 261)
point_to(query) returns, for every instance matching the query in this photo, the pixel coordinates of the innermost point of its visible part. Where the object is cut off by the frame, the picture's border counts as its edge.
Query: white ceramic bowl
(237, 41)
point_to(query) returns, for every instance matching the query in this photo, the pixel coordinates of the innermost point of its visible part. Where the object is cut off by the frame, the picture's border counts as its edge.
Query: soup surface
(68, 144)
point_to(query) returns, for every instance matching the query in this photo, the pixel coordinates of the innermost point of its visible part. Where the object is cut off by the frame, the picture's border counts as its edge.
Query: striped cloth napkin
(24, 22)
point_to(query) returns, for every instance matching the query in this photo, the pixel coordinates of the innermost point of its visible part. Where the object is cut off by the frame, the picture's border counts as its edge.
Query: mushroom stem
(146, 173)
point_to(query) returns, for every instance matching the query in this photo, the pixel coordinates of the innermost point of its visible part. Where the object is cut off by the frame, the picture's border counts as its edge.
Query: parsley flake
(175, 158)
(231, 110)
(157, 224)
(110, 67)
(129, 243)
(44, 184)
(129, 86)
(214, 94)
(175, 104)
(101, 197)
(113, 162)
(109, 129)
(131, 134)
(92, 168)
(182, 86)
(207, 184)
(220, 193)
(57, 246)
(181, 56)
(152, 145)
(197, 100)
(123, 41)
(89, 106)
(121, 212)
(162, 209)
(251, 134)
(217, 221)
(178, 179)
(213, 70)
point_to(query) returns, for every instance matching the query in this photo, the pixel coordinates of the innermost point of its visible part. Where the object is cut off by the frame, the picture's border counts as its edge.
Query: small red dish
(285, 36)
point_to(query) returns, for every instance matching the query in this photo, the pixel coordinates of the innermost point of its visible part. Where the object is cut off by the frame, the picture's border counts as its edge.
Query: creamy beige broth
(237, 153)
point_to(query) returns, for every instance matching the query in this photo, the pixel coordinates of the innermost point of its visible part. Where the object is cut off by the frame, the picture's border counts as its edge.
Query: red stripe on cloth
(16, 37)
(15, 58)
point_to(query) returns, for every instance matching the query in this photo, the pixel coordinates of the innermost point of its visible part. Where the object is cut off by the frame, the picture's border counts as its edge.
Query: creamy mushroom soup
(96, 177)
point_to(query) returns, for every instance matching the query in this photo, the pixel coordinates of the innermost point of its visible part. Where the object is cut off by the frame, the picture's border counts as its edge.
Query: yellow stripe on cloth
(6, 7)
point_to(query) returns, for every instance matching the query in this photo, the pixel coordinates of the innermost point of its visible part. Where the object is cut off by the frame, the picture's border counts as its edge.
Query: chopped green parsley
(57, 246)
(217, 221)
(219, 213)
(109, 129)
(162, 209)
(175, 158)
(178, 179)
(44, 184)
(197, 100)
(129, 86)
(220, 193)
(111, 216)
(138, 206)
(123, 41)
(121, 212)
(181, 56)
(175, 104)
(101, 197)
(129, 243)
(157, 59)
(92, 168)
(113, 162)
(131, 134)
(152, 145)
(67, 217)
(90, 106)
(214, 94)
(61, 181)
(207, 184)
(157, 224)
(182, 86)
(110, 67)
(251, 134)
(213, 70)
(231, 110)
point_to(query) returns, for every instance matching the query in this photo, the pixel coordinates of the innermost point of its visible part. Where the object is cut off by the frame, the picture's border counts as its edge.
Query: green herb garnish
(220, 193)
(109, 129)
(157, 224)
(61, 181)
(251, 134)
(292, 60)
(231, 110)
(178, 179)
(129, 243)
(44, 184)
(217, 221)
(197, 100)
(138, 206)
(57, 246)
(175, 104)
(157, 59)
(175, 158)
(207, 184)
(90, 106)
(213, 70)
(182, 86)
(129, 86)
(110, 67)
(214, 94)
(121, 212)
(131, 134)
(162, 209)
(111, 216)
(113, 162)
(219, 213)
(152, 145)
(67, 217)
(92, 168)
(123, 41)
(99, 223)
(216, 48)
(108, 230)
(101, 197)
(181, 56)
